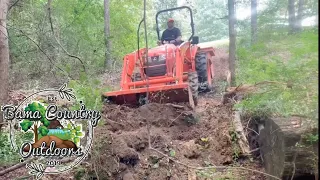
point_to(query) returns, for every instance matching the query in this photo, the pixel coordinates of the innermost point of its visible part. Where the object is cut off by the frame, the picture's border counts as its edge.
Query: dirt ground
(176, 142)
(181, 148)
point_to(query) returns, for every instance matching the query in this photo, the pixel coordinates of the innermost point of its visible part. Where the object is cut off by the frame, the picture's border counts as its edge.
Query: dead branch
(175, 106)
(54, 35)
(253, 131)
(175, 119)
(243, 141)
(14, 167)
(20, 165)
(14, 4)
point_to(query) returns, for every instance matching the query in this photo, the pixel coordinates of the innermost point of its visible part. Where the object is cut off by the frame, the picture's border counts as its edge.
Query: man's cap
(170, 20)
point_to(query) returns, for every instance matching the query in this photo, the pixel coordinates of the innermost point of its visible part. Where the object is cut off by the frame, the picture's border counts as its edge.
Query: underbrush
(7, 155)
(288, 68)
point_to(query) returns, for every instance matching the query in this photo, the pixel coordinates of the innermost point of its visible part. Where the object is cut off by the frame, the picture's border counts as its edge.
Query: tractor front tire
(201, 68)
(194, 86)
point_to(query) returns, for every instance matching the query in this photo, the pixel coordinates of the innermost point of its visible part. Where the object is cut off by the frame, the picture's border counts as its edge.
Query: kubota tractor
(169, 74)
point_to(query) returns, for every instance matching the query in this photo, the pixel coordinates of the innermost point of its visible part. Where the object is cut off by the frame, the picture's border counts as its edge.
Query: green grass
(285, 59)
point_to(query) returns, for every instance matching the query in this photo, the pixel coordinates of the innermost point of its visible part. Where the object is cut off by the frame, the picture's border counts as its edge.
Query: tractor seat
(159, 67)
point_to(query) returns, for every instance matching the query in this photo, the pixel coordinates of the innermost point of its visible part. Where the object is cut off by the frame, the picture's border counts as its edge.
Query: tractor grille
(159, 69)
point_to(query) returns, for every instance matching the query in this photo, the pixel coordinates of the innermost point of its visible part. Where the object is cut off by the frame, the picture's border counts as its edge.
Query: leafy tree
(211, 21)
(36, 125)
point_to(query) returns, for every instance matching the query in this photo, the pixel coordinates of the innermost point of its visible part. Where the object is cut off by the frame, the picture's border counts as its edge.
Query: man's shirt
(171, 34)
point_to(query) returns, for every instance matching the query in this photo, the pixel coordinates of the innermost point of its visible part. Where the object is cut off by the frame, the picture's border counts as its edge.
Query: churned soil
(178, 142)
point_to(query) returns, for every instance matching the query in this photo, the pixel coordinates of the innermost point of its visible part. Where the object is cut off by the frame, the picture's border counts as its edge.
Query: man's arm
(178, 39)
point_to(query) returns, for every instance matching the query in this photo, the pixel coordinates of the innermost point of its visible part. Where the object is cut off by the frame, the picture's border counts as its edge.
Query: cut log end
(286, 149)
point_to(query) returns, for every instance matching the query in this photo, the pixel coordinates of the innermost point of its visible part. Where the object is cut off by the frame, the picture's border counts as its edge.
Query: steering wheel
(168, 39)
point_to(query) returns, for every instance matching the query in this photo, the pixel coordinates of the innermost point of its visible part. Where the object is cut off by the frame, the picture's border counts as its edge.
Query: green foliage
(74, 132)
(25, 125)
(79, 28)
(210, 20)
(43, 130)
(89, 91)
(172, 153)
(36, 106)
(7, 155)
(311, 138)
(290, 63)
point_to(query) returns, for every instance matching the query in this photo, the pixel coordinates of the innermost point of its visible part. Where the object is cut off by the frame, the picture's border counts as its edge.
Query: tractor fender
(194, 50)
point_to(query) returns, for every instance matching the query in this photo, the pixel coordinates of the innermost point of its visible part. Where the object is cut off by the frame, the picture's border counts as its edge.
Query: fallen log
(242, 139)
(286, 148)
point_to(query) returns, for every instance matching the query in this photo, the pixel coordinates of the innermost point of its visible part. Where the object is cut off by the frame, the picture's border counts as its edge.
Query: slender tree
(299, 15)
(232, 40)
(108, 61)
(254, 17)
(317, 13)
(292, 17)
(4, 56)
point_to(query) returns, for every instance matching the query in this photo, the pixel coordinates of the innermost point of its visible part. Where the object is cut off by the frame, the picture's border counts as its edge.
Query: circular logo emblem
(58, 130)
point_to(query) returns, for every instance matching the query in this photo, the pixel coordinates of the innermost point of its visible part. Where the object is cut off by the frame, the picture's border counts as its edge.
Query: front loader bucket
(158, 94)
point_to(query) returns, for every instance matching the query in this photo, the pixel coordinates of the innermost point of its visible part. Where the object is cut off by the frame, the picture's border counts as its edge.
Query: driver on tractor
(171, 35)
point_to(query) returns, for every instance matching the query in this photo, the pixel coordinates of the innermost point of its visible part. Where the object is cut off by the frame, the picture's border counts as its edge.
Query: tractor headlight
(162, 57)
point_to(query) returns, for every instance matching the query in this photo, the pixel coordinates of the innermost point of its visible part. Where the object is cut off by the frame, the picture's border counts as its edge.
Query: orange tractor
(168, 73)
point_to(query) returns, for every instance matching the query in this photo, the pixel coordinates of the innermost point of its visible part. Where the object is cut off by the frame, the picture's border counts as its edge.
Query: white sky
(245, 12)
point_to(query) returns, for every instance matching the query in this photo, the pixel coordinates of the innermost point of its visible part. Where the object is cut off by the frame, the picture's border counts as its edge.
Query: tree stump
(286, 147)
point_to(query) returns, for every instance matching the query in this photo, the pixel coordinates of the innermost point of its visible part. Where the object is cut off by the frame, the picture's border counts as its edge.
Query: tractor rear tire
(201, 68)
(194, 86)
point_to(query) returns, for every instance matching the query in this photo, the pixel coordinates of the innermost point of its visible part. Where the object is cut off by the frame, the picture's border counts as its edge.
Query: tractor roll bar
(173, 9)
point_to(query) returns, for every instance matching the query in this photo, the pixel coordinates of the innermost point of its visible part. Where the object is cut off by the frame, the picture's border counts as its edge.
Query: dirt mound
(221, 64)
(124, 140)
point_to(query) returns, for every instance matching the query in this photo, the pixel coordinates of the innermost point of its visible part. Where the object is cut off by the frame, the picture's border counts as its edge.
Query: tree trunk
(35, 130)
(254, 17)
(317, 14)
(299, 15)
(4, 56)
(108, 61)
(292, 16)
(286, 148)
(232, 40)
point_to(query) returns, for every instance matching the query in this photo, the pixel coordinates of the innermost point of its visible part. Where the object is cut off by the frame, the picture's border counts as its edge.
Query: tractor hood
(163, 50)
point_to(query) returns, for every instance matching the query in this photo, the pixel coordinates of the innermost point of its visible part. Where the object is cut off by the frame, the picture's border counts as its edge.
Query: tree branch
(50, 60)
(17, 166)
(51, 24)
(15, 3)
